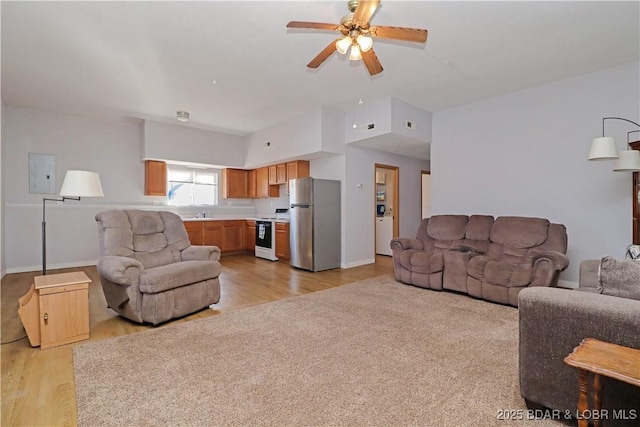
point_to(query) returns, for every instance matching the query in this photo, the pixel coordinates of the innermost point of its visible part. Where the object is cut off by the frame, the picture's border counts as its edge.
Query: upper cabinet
(235, 183)
(263, 188)
(261, 182)
(155, 178)
(297, 169)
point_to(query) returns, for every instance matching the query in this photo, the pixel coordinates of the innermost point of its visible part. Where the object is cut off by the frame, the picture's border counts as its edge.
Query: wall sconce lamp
(76, 184)
(604, 148)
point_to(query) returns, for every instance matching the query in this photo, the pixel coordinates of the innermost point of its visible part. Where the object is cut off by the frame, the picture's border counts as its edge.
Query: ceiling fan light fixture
(364, 42)
(343, 44)
(355, 54)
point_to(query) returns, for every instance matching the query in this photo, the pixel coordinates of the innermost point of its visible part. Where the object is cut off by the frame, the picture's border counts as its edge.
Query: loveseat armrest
(552, 322)
(120, 270)
(200, 253)
(403, 243)
(559, 260)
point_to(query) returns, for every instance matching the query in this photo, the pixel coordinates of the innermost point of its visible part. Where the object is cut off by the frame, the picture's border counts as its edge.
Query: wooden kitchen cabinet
(250, 235)
(278, 174)
(55, 311)
(252, 185)
(281, 173)
(232, 236)
(194, 230)
(235, 183)
(297, 169)
(263, 189)
(212, 234)
(155, 178)
(273, 175)
(282, 240)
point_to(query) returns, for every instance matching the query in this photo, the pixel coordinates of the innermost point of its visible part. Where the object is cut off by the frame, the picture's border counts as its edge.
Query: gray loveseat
(554, 321)
(487, 258)
(148, 268)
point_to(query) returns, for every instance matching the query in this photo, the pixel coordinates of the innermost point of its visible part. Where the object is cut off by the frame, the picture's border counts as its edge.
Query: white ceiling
(146, 60)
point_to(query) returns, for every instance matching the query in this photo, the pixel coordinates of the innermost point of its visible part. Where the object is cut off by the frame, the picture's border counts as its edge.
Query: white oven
(266, 239)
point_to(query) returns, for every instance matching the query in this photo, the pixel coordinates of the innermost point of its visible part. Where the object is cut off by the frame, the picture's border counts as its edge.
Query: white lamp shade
(355, 55)
(343, 44)
(365, 42)
(81, 184)
(628, 161)
(603, 148)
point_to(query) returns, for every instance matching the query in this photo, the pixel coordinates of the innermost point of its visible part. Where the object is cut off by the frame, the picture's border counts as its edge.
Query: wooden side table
(55, 311)
(602, 358)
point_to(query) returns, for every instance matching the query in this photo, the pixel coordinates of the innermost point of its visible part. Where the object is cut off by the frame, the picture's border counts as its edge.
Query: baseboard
(27, 268)
(358, 263)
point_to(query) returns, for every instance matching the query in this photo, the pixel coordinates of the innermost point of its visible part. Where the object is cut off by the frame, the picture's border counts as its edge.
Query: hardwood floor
(38, 387)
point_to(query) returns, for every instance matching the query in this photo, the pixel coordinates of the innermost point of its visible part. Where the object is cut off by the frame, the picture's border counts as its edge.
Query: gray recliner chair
(148, 268)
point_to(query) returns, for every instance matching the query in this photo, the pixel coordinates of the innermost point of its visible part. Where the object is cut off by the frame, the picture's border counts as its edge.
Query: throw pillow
(619, 278)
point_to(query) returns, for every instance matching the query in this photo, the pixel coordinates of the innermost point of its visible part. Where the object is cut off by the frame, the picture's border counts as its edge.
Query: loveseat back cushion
(479, 227)
(171, 276)
(445, 231)
(512, 237)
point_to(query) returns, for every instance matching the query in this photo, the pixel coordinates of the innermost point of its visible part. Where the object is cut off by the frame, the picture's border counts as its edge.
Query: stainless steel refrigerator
(315, 224)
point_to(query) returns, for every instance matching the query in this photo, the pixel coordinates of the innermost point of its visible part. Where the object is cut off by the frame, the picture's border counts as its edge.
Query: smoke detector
(182, 116)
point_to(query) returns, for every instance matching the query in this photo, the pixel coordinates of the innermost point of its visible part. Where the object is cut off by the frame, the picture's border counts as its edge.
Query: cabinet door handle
(46, 319)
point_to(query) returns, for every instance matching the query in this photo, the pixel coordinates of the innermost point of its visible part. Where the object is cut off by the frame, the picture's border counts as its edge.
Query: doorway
(425, 194)
(387, 205)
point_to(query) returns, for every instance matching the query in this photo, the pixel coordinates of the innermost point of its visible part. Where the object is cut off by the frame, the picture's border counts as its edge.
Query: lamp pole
(44, 228)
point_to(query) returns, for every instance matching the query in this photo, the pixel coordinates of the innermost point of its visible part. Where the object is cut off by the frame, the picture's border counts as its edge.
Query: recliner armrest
(403, 243)
(559, 260)
(200, 253)
(120, 270)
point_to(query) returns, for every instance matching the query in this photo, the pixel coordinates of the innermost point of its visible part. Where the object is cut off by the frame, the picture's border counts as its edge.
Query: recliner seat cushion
(170, 276)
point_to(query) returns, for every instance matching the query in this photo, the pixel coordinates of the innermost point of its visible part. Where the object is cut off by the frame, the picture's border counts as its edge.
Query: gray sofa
(148, 268)
(487, 258)
(554, 321)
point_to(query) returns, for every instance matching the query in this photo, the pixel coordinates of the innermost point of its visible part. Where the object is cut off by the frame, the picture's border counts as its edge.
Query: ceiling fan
(357, 34)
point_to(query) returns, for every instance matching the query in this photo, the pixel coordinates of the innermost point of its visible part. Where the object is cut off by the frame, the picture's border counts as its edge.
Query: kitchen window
(192, 186)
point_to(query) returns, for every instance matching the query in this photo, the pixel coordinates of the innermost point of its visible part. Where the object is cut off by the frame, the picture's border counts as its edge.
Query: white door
(426, 195)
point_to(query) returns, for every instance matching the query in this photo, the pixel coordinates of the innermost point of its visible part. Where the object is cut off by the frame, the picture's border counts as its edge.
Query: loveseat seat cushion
(501, 273)
(170, 276)
(424, 262)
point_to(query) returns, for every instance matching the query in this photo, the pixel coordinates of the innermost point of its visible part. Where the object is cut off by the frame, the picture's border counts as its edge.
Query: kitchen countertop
(285, 220)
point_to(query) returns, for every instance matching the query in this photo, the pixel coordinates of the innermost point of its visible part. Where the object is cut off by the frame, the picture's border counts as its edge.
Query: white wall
(359, 247)
(525, 153)
(111, 148)
(2, 184)
(180, 143)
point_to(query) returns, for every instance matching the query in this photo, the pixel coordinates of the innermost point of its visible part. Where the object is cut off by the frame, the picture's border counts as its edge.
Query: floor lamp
(76, 184)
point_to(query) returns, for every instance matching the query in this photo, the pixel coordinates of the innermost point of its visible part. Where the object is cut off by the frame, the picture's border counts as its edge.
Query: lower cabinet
(228, 235)
(282, 240)
(232, 236)
(194, 230)
(250, 235)
(212, 233)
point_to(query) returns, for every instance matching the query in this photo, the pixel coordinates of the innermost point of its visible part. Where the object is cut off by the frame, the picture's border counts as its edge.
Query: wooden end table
(602, 358)
(55, 311)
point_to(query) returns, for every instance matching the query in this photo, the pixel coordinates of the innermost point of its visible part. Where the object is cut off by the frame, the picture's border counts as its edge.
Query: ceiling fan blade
(322, 56)
(312, 25)
(372, 62)
(364, 11)
(399, 33)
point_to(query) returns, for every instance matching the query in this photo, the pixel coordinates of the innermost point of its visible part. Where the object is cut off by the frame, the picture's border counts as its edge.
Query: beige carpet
(374, 352)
